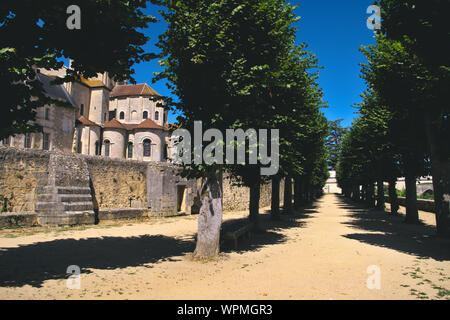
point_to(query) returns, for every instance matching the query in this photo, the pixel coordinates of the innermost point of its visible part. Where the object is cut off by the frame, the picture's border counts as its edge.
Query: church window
(107, 147)
(46, 114)
(97, 148)
(81, 109)
(122, 115)
(45, 141)
(134, 115)
(27, 142)
(147, 148)
(156, 115)
(130, 150)
(145, 115)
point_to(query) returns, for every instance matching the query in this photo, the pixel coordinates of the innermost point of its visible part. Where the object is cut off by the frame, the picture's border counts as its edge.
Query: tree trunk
(380, 195)
(370, 199)
(255, 190)
(412, 215)
(297, 193)
(441, 176)
(393, 196)
(210, 216)
(440, 170)
(287, 203)
(275, 203)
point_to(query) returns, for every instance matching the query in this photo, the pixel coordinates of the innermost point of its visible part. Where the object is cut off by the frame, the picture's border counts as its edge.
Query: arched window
(6, 141)
(164, 117)
(133, 115)
(45, 141)
(27, 141)
(81, 109)
(97, 148)
(107, 147)
(145, 115)
(47, 114)
(122, 115)
(147, 147)
(130, 150)
(165, 151)
(156, 115)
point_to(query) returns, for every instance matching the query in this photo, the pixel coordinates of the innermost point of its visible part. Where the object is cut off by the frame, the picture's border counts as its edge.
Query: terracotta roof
(130, 126)
(149, 124)
(86, 121)
(92, 83)
(141, 89)
(114, 123)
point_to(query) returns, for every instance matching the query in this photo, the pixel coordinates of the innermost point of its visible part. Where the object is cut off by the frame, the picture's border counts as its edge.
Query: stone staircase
(64, 194)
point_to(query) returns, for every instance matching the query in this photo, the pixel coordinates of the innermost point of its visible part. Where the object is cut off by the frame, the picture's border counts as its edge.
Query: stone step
(78, 206)
(46, 197)
(75, 213)
(68, 218)
(45, 189)
(73, 190)
(68, 198)
(49, 206)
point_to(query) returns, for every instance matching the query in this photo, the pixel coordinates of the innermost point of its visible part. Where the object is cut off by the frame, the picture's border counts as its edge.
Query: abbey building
(101, 117)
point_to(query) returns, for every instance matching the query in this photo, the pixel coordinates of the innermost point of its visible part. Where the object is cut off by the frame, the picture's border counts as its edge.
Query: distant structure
(331, 185)
(101, 117)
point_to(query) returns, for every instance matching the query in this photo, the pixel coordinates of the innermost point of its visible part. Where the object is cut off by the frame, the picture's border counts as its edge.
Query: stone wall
(236, 198)
(20, 171)
(118, 183)
(422, 204)
(52, 184)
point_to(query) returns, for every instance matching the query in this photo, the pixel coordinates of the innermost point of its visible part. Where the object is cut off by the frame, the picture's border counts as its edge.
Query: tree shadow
(390, 231)
(33, 264)
(269, 230)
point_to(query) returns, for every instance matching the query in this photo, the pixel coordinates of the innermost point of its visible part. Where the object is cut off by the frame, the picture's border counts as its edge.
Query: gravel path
(323, 252)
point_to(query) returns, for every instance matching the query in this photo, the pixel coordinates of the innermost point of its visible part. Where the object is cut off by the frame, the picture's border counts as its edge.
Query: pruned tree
(34, 34)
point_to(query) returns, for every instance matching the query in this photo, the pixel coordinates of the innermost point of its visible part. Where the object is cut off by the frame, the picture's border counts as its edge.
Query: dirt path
(322, 252)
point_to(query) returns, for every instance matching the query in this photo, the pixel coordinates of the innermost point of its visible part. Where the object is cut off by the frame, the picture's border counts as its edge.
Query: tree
(33, 36)
(422, 27)
(334, 142)
(220, 57)
(399, 80)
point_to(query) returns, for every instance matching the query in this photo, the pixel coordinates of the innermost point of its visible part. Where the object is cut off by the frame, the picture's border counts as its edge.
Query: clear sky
(333, 30)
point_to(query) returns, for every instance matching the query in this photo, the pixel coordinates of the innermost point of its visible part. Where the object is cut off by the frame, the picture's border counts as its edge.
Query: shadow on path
(33, 264)
(390, 231)
(269, 233)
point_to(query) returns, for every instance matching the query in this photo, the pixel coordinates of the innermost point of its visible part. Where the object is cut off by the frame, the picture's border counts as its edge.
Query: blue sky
(333, 30)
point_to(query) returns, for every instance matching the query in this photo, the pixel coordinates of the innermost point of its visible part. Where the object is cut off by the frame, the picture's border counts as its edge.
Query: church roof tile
(141, 89)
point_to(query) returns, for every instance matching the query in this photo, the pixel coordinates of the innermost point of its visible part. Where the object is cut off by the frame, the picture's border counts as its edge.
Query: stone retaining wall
(422, 204)
(120, 188)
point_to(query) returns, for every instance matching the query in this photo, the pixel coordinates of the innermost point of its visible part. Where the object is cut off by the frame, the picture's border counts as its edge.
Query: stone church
(101, 117)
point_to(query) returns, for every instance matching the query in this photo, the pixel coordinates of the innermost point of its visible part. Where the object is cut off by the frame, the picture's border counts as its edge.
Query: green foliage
(334, 142)
(34, 35)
